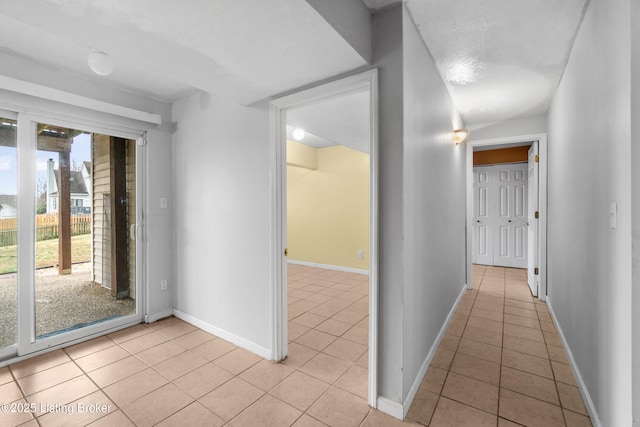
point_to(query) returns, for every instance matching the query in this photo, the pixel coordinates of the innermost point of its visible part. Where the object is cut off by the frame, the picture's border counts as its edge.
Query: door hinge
(535, 271)
(536, 215)
(537, 158)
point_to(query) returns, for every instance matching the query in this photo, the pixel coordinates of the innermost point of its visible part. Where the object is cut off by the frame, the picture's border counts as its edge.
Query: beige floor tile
(157, 405)
(64, 393)
(9, 392)
(576, 420)
(526, 362)
(423, 405)
(101, 358)
(327, 309)
(334, 327)
(480, 350)
(17, 417)
(506, 423)
(355, 381)
(357, 334)
(571, 398)
(487, 314)
(434, 379)
(523, 332)
(88, 347)
(486, 324)
(179, 365)
(202, 380)
(508, 309)
(300, 390)
(266, 412)
(231, 398)
(471, 392)
(193, 339)
(160, 353)
(345, 350)
(39, 363)
(143, 342)
(523, 345)
(380, 419)
(163, 323)
(552, 338)
(547, 326)
(557, 354)
(363, 361)
(135, 386)
(237, 360)
(316, 340)
(211, 350)
(116, 371)
(265, 374)
(194, 415)
(479, 369)
(129, 333)
(488, 306)
(309, 320)
(483, 335)
(530, 385)
(522, 321)
(176, 330)
(519, 303)
(450, 342)
(116, 418)
(349, 316)
(48, 378)
(529, 411)
(563, 373)
(449, 413)
(442, 359)
(298, 355)
(295, 331)
(307, 421)
(80, 417)
(5, 375)
(325, 368)
(339, 408)
(456, 328)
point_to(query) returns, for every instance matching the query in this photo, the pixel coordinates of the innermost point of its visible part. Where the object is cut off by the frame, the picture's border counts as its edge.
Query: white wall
(434, 195)
(513, 127)
(635, 195)
(222, 217)
(589, 264)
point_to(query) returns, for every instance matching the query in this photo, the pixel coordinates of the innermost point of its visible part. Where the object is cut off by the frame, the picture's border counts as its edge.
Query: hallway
(500, 357)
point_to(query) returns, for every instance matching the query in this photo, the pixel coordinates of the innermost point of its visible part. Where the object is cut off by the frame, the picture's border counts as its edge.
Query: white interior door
(500, 215)
(532, 221)
(483, 223)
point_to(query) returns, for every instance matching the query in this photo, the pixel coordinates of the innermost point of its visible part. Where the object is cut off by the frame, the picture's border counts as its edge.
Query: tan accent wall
(500, 156)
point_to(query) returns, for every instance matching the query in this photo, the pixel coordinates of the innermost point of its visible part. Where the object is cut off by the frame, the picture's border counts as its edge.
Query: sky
(80, 152)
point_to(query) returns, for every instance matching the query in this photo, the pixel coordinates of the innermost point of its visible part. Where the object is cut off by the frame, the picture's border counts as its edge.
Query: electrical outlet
(163, 284)
(360, 254)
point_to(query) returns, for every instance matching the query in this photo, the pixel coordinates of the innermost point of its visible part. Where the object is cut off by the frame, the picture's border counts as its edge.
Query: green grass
(47, 253)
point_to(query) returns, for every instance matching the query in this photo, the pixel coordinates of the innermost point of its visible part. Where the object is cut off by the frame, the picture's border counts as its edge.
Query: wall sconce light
(460, 135)
(100, 63)
(298, 134)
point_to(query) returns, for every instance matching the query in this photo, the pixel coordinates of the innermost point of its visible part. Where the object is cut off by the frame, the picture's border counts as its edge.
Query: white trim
(221, 333)
(542, 205)
(329, 266)
(154, 317)
(389, 407)
(367, 80)
(408, 400)
(45, 92)
(593, 413)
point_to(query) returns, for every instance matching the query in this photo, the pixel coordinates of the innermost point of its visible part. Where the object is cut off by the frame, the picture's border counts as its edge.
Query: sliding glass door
(68, 233)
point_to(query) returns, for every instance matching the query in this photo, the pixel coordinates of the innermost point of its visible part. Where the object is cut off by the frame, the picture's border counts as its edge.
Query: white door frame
(542, 200)
(366, 80)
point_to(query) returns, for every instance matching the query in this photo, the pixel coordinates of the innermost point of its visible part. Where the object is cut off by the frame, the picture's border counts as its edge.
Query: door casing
(542, 197)
(364, 80)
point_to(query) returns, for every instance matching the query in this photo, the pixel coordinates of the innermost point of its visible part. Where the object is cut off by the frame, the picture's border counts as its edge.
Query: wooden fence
(46, 228)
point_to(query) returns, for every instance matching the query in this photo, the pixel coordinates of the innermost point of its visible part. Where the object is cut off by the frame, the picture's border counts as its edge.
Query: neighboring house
(8, 204)
(80, 189)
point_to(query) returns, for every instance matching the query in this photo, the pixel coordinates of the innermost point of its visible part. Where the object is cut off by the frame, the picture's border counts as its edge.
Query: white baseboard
(150, 318)
(591, 408)
(329, 266)
(221, 333)
(390, 407)
(432, 352)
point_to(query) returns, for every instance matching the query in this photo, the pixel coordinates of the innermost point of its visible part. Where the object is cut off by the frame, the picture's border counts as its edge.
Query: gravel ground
(61, 302)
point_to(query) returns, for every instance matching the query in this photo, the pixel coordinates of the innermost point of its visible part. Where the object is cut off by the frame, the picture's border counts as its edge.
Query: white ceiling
(501, 59)
(243, 49)
(340, 120)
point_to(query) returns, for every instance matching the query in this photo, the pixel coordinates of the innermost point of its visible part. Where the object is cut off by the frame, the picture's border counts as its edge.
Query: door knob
(478, 220)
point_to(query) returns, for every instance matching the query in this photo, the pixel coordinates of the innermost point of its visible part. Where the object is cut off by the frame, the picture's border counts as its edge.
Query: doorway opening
(325, 258)
(506, 207)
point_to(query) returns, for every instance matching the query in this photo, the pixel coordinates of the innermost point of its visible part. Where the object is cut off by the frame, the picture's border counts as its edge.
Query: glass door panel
(8, 233)
(84, 253)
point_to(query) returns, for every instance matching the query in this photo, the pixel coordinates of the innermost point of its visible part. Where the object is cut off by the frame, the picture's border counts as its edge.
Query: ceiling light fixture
(100, 63)
(460, 135)
(298, 134)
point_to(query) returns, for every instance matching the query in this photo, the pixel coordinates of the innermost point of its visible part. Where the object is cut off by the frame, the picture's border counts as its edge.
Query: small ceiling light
(460, 135)
(100, 63)
(298, 134)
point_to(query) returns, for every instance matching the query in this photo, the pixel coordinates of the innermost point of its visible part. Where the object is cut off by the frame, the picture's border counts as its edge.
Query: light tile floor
(501, 356)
